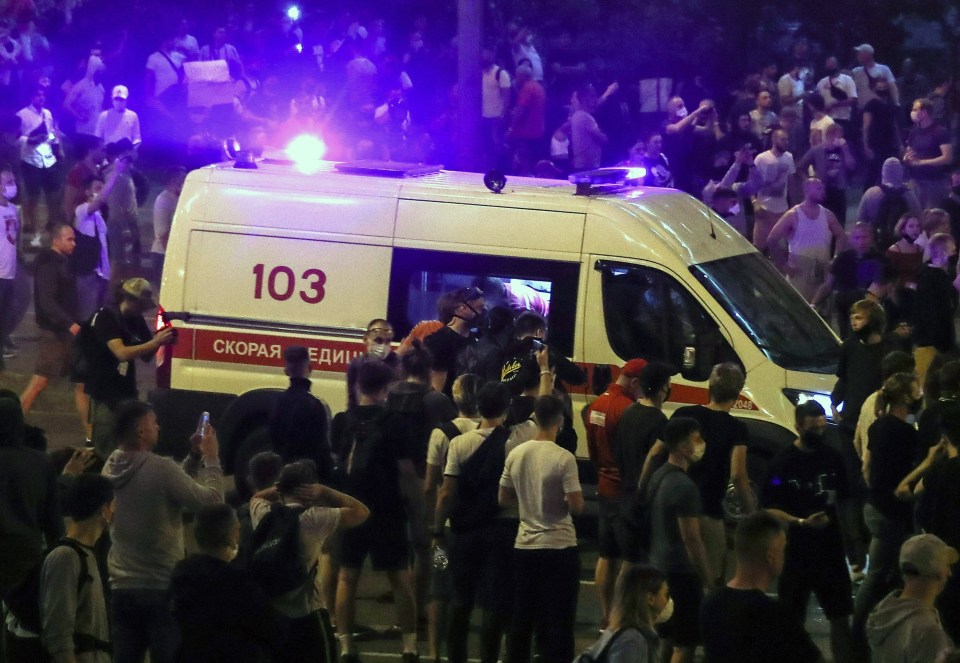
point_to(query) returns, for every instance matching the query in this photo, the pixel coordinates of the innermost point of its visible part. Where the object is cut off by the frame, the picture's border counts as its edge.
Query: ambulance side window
(546, 287)
(650, 315)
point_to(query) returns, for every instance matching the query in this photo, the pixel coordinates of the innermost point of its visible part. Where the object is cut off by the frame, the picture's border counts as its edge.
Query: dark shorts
(616, 540)
(829, 581)
(54, 353)
(683, 628)
(384, 538)
(37, 180)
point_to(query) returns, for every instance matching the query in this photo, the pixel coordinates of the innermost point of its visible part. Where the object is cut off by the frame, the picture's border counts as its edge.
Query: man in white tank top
(808, 231)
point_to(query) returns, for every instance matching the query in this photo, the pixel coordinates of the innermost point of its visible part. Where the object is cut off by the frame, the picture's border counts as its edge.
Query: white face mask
(666, 613)
(914, 116)
(233, 552)
(735, 209)
(698, 452)
(10, 191)
(379, 350)
(682, 112)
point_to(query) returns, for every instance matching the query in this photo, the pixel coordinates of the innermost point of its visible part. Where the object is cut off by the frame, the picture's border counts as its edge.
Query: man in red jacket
(601, 419)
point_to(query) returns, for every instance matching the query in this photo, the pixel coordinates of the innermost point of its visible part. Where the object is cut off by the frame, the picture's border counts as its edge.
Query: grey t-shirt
(676, 497)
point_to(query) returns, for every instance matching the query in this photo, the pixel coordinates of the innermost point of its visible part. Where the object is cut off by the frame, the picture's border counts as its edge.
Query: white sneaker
(36, 241)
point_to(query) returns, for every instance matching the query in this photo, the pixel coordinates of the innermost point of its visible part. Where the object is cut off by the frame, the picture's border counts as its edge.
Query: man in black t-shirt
(120, 336)
(806, 488)
(725, 460)
(376, 454)
(741, 624)
(450, 341)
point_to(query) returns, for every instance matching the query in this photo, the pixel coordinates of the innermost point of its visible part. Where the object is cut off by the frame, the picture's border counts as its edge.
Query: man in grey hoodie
(152, 493)
(905, 626)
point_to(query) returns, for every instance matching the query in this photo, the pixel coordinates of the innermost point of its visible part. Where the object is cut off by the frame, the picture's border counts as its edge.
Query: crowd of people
(453, 467)
(453, 472)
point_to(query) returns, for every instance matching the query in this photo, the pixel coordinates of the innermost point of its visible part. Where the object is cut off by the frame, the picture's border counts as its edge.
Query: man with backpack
(73, 611)
(540, 478)
(481, 545)
(882, 205)
(117, 336)
(285, 554)
(377, 458)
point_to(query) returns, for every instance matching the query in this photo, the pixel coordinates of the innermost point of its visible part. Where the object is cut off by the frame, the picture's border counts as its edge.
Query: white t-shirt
(774, 172)
(92, 225)
(495, 80)
(163, 208)
(317, 524)
(862, 80)
(788, 85)
(166, 75)
(112, 126)
(542, 474)
(439, 442)
(841, 82)
(8, 244)
(41, 155)
(818, 130)
(188, 46)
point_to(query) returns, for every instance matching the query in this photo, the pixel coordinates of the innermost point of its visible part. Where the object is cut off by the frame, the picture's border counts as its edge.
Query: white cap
(866, 48)
(927, 555)
(120, 92)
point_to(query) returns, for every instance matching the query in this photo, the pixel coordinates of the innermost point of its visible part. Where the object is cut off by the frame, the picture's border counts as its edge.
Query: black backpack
(479, 483)
(24, 599)
(363, 447)
(892, 207)
(85, 349)
(275, 558)
(636, 510)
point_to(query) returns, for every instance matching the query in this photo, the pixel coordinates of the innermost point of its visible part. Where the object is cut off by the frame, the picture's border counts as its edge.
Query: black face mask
(907, 237)
(832, 72)
(916, 406)
(883, 94)
(812, 438)
(863, 333)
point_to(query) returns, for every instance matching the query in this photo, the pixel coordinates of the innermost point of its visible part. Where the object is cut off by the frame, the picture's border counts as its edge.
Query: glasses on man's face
(381, 334)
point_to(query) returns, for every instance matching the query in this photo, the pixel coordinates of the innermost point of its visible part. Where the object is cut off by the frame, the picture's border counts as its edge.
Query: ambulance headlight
(798, 396)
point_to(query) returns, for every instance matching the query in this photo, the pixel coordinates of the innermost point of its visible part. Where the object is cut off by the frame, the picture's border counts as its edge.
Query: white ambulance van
(260, 259)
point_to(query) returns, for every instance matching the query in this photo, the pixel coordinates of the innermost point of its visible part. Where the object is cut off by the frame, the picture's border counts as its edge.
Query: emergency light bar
(607, 180)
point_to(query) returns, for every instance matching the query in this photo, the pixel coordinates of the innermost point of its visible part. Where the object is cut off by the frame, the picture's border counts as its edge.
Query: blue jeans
(883, 574)
(142, 620)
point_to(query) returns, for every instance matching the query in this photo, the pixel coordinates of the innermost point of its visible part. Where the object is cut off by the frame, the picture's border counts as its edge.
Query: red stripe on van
(267, 350)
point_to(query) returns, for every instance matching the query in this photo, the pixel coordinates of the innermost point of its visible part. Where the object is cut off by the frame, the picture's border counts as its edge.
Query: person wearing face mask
(299, 422)
(641, 599)
(725, 461)
(85, 98)
(676, 544)
(119, 122)
(449, 343)
(806, 488)
(892, 452)
(222, 612)
(8, 251)
(678, 132)
(928, 155)
(377, 341)
(741, 623)
(906, 625)
(73, 611)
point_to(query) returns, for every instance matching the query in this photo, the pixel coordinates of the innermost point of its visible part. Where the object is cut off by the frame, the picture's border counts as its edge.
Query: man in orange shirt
(601, 419)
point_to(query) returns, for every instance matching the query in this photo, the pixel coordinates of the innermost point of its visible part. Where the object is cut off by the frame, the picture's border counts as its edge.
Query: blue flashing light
(637, 173)
(294, 13)
(299, 48)
(306, 151)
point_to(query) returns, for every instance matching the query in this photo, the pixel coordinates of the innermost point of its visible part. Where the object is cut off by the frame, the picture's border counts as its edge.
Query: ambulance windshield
(771, 312)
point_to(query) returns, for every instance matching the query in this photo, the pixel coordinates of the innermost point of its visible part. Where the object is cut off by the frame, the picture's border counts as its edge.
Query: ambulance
(265, 254)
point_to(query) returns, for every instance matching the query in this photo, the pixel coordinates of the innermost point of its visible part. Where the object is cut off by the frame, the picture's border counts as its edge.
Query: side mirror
(689, 358)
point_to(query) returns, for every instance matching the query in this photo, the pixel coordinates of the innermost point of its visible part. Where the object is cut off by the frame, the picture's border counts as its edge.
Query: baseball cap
(866, 48)
(927, 555)
(633, 368)
(139, 288)
(120, 92)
